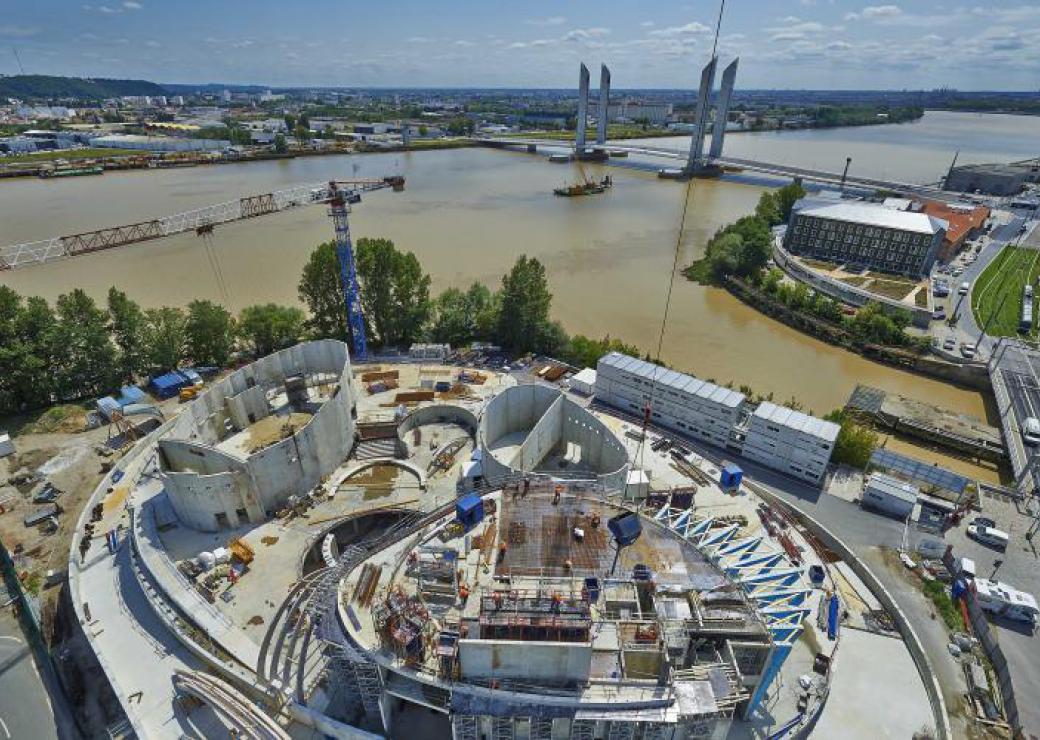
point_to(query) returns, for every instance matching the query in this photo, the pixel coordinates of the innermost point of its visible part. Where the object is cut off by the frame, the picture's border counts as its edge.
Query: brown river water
(468, 214)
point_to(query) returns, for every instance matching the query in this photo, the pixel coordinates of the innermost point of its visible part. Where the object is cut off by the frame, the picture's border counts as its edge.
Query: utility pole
(18, 59)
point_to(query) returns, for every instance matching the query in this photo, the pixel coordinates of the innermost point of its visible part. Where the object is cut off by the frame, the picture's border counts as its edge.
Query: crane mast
(339, 207)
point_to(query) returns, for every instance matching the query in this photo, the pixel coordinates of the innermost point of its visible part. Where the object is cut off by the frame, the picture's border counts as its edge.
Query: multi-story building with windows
(789, 441)
(679, 402)
(880, 238)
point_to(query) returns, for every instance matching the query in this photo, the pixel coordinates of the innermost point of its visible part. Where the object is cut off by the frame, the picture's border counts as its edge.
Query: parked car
(950, 344)
(1031, 431)
(983, 521)
(939, 314)
(968, 349)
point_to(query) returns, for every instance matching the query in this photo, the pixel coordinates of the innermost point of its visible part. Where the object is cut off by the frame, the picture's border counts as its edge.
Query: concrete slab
(887, 701)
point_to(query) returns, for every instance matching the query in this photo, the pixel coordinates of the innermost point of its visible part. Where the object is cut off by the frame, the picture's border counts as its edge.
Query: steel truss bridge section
(201, 221)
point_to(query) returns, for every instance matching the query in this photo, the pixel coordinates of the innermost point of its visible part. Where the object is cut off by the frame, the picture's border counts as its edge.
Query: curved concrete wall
(550, 419)
(203, 481)
(442, 413)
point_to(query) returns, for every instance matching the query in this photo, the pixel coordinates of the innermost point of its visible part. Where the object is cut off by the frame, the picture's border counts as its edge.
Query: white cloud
(152, 44)
(690, 29)
(584, 34)
(647, 24)
(553, 20)
(875, 12)
(18, 32)
(463, 42)
(131, 5)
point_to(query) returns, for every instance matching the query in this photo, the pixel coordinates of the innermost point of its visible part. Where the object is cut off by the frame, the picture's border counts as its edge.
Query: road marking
(4, 725)
(8, 637)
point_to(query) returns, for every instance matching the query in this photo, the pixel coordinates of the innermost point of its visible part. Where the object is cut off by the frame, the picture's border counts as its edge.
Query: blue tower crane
(341, 196)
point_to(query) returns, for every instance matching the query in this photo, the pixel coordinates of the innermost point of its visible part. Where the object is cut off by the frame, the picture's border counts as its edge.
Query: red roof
(960, 220)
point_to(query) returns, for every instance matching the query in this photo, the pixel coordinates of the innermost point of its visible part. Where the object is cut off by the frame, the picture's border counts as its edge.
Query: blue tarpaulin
(130, 394)
(107, 406)
(169, 384)
(731, 476)
(832, 617)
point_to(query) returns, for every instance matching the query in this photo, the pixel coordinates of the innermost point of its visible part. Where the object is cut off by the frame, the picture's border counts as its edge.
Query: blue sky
(910, 44)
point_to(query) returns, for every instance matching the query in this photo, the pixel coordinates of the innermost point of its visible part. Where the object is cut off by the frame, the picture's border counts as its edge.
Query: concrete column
(718, 135)
(700, 116)
(604, 102)
(583, 109)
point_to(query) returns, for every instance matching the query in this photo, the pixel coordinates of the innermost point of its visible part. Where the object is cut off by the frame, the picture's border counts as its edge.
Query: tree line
(77, 349)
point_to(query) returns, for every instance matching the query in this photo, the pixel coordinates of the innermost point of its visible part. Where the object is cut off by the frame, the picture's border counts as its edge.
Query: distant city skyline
(808, 44)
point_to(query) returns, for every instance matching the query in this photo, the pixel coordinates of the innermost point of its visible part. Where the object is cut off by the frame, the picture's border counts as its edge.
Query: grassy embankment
(1000, 286)
(71, 155)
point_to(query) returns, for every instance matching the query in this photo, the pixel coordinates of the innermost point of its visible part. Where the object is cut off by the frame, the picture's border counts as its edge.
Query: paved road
(25, 707)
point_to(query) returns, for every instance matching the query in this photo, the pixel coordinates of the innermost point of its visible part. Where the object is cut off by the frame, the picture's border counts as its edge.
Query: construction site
(400, 580)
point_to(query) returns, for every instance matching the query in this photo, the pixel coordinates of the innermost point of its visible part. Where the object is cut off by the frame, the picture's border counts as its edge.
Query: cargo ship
(588, 187)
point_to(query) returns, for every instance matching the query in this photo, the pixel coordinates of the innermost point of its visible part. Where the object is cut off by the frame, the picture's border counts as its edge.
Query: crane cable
(688, 194)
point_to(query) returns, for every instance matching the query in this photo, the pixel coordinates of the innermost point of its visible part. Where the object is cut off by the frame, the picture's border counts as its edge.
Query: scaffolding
(535, 615)
(464, 727)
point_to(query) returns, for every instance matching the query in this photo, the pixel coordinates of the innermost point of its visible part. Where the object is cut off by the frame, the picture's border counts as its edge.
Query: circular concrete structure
(537, 429)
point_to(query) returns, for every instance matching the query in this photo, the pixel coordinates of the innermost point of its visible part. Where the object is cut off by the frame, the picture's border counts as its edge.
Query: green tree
(270, 327)
(786, 197)
(86, 363)
(280, 146)
(395, 292)
(768, 209)
(290, 122)
(209, 333)
(321, 290)
(585, 352)
(855, 443)
(461, 317)
(525, 303)
(301, 132)
(26, 352)
(127, 325)
(164, 336)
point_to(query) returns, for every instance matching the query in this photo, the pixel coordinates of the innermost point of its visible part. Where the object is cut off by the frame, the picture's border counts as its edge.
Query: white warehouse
(790, 441)
(681, 402)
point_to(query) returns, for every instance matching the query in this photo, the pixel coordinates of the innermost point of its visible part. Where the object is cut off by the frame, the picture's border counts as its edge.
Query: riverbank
(970, 376)
(123, 159)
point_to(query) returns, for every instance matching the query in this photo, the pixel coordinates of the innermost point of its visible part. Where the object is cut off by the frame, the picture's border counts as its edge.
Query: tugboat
(586, 187)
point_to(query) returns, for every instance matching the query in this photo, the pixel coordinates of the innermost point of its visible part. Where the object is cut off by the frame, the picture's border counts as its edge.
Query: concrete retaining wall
(906, 630)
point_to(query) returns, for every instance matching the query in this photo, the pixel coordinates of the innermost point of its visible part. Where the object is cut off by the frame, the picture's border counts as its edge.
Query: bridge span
(750, 165)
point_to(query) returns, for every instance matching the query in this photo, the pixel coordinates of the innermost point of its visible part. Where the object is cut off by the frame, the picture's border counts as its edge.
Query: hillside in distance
(46, 87)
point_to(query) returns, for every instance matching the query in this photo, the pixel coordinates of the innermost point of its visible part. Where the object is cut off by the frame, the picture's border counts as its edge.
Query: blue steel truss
(778, 590)
(348, 273)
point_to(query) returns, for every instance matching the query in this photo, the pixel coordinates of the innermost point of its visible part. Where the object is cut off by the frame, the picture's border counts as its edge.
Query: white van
(989, 536)
(963, 290)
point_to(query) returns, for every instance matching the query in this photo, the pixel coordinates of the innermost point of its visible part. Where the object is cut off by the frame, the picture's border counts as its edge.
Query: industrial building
(992, 179)
(866, 234)
(628, 110)
(791, 441)
(677, 401)
(158, 143)
(266, 433)
(889, 495)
